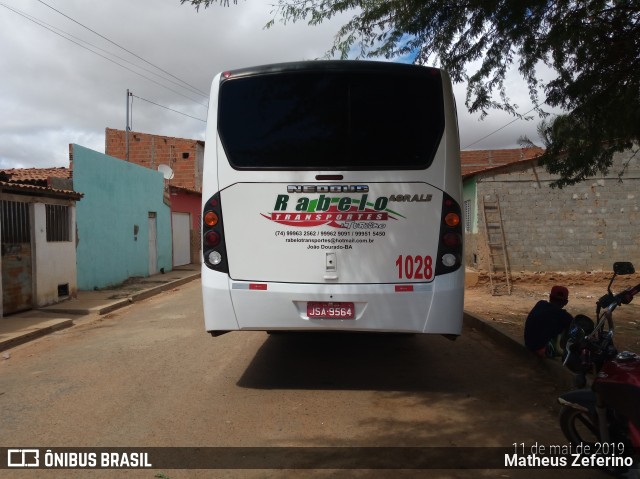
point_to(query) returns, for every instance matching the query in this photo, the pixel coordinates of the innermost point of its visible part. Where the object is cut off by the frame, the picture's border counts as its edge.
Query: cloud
(55, 92)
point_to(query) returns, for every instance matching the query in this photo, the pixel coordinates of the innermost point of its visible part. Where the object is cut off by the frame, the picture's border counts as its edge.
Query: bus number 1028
(414, 267)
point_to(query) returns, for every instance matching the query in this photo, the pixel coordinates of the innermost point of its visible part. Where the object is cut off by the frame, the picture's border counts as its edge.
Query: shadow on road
(348, 361)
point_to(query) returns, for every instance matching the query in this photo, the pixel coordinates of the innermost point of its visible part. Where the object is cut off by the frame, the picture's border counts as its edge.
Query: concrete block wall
(184, 156)
(584, 227)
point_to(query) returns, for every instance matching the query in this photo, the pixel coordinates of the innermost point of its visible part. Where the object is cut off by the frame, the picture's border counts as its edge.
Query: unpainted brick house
(184, 156)
(584, 227)
(38, 231)
(185, 159)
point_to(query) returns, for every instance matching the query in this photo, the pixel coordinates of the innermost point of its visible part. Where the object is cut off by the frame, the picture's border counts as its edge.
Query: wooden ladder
(499, 269)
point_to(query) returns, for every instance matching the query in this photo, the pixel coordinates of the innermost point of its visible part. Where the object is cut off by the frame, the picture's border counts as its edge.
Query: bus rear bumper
(409, 307)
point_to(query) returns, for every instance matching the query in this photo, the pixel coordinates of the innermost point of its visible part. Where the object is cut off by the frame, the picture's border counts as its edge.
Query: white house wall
(54, 262)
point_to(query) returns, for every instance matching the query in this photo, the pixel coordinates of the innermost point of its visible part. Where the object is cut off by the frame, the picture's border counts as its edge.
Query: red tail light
(451, 243)
(451, 240)
(213, 246)
(212, 238)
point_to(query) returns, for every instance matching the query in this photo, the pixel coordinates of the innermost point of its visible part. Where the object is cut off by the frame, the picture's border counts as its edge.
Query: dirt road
(150, 376)
(509, 312)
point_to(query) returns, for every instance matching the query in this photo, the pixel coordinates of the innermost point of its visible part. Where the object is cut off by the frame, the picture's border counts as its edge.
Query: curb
(121, 303)
(563, 378)
(100, 310)
(147, 293)
(36, 333)
(109, 307)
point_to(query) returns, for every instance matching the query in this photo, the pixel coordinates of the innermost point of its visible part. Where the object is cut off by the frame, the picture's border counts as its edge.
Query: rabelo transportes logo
(330, 211)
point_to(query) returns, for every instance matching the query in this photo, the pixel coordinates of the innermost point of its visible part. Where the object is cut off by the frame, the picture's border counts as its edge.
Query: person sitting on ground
(546, 322)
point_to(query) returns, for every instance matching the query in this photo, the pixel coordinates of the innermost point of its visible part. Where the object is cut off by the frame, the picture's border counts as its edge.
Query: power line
(43, 25)
(123, 48)
(62, 33)
(501, 128)
(166, 107)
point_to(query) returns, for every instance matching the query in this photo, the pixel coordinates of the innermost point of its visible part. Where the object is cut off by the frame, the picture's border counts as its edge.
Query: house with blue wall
(124, 222)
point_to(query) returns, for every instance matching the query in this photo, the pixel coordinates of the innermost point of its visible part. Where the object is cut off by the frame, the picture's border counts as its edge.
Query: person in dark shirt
(546, 321)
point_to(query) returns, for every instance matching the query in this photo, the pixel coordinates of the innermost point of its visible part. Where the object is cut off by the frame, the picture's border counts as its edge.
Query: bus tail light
(452, 220)
(214, 248)
(214, 258)
(450, 247)
(211, 218)
(212, 238)
(451, 240)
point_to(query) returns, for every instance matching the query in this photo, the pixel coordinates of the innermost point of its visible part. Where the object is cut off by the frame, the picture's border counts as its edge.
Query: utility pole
(127, 127)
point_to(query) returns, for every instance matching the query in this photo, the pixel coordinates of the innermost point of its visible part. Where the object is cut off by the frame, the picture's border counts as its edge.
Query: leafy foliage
(592, 45)
(207, 3)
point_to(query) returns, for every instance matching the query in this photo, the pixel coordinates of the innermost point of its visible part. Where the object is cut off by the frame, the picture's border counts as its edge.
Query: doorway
(17, 269)
(153, 244)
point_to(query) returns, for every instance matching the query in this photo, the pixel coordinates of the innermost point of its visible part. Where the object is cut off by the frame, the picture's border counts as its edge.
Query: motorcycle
(606, 416)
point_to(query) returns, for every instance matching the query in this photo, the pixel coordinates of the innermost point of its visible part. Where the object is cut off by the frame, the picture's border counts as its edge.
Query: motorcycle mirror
(623, 267)
(620, 268)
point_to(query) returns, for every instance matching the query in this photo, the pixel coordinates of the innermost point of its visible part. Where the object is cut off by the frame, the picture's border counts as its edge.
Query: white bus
(331, 200)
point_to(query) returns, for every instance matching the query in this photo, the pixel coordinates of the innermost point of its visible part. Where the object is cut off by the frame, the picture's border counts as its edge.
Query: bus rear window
(331, 120)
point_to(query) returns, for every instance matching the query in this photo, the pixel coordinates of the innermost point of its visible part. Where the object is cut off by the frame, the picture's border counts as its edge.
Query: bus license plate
(329, 310)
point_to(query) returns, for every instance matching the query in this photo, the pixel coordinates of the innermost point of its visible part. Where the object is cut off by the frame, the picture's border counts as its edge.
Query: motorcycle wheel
(579, 427)
(582, 428)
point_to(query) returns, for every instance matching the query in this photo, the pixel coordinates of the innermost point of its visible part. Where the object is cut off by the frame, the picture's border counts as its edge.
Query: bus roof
(331, 65)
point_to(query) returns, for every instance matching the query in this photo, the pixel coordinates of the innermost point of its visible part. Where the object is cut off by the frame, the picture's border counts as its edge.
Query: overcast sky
(55, 92)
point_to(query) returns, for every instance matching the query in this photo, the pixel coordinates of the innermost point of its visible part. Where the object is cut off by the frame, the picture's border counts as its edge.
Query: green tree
(592, 46)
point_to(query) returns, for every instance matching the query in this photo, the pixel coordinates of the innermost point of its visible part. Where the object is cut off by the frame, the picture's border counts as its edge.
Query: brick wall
(584, 227)
(152, 150)
(477, 160)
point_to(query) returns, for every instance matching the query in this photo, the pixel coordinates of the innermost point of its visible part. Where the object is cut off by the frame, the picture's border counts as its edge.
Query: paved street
(149, 375)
